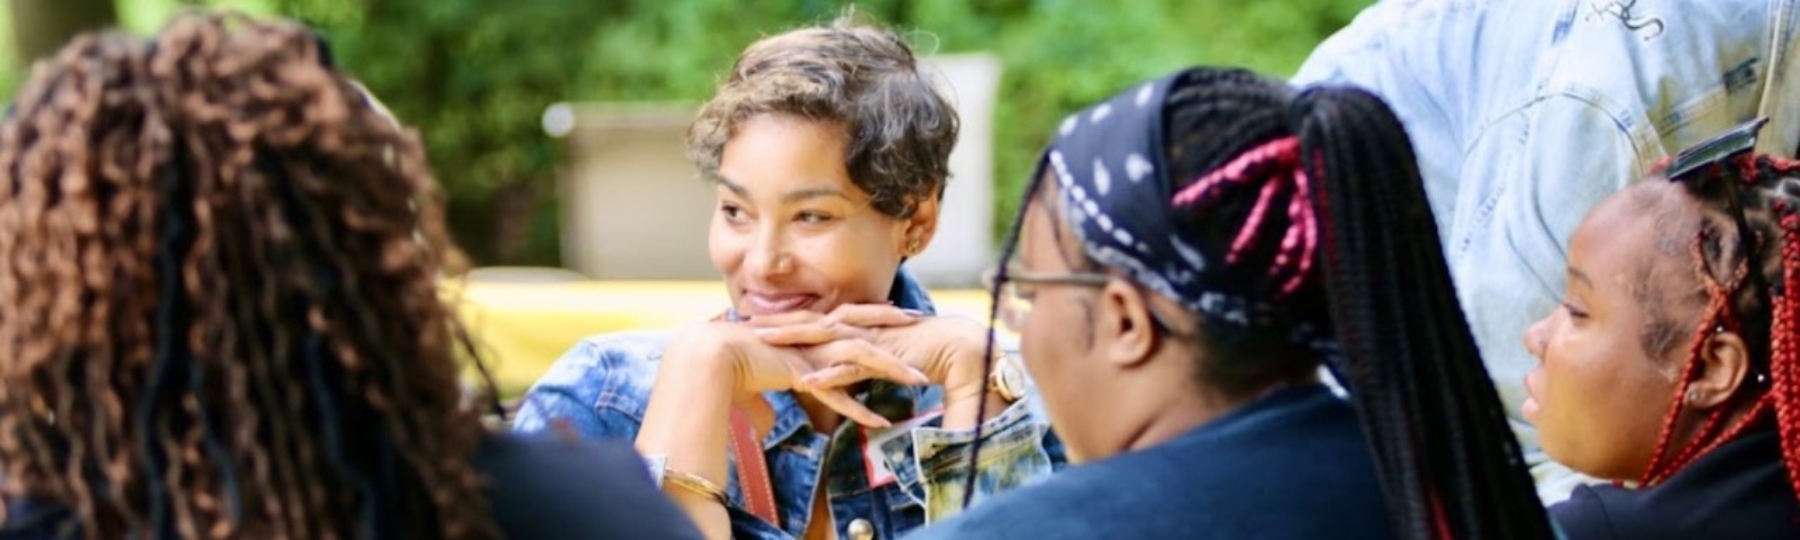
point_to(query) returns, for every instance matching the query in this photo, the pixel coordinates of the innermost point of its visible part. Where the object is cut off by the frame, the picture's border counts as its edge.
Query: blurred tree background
(476, 75)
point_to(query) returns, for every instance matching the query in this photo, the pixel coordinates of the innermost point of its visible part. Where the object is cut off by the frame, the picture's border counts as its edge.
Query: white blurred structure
(633, 208)
(964, 245)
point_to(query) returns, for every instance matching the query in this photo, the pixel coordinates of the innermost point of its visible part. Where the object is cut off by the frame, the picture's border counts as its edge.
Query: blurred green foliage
(476, 75)
(1058, 55)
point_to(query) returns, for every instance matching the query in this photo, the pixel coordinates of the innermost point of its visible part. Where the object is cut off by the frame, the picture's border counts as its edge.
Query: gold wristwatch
(1007, 378)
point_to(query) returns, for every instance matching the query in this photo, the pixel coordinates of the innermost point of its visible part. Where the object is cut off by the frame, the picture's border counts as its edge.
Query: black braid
(1007, 250)
(1448, 463)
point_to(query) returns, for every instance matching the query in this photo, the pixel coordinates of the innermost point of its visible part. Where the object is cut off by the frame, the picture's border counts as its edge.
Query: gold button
(861, 529)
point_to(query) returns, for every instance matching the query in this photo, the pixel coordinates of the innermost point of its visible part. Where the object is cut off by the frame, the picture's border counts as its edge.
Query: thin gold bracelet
(694, 483)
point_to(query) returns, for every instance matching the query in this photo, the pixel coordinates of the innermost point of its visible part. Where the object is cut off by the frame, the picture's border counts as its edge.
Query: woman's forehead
(1036, 228)
(1044, 226)
(1630, 241)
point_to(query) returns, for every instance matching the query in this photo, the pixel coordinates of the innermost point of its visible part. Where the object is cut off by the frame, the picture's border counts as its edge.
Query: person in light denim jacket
(1526, 114)
(829, 148)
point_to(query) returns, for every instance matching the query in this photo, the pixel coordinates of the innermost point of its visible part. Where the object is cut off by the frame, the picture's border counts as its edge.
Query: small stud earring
(912, 246)
(1693, 396)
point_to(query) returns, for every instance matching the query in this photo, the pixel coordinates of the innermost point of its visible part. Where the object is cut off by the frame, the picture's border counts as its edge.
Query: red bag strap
(752, 468)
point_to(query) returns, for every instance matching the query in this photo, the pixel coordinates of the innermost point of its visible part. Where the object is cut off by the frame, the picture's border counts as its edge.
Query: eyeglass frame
(997, 278)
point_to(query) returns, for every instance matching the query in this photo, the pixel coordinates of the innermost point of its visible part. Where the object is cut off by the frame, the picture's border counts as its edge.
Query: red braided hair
(1782, 399)
(1277, 163)
(1784, 355)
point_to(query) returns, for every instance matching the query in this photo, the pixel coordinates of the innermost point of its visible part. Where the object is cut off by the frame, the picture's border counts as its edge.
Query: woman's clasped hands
(827, 354)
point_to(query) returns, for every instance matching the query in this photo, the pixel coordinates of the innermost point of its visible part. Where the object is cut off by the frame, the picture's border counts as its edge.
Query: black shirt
(538, 488)
(1739, 490)
(550, 488)
(1291, 465)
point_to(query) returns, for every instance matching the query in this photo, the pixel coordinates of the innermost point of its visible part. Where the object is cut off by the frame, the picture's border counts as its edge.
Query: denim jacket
(602, 386)
(1526, 114)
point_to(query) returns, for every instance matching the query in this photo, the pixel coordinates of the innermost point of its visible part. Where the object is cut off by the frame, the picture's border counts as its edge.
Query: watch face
(1008, 379)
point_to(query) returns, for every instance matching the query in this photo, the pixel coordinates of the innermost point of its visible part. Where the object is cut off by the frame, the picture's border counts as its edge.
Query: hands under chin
(707, 367)
(733, 358)
(857, 342)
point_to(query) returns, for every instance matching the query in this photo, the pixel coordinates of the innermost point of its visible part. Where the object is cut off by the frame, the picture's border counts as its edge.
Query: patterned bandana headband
(1115, 194)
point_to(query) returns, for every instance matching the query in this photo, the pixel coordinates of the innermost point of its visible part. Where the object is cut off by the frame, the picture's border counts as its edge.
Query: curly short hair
(862, 78)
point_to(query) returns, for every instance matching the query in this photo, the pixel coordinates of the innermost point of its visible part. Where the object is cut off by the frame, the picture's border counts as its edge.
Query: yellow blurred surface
(522, 327)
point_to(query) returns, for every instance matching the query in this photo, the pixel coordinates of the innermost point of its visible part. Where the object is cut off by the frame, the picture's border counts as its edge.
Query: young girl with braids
(1674, 361)
(218, 272)
(1190, 253)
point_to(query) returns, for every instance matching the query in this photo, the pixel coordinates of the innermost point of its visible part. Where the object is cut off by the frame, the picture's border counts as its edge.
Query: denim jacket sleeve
(1017, 449)
(597, 390)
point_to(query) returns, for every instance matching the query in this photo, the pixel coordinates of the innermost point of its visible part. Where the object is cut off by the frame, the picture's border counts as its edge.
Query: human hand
(949, 351)
(733, 358)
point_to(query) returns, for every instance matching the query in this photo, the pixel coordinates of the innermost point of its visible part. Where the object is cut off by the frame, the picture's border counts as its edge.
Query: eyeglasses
(1018, 290)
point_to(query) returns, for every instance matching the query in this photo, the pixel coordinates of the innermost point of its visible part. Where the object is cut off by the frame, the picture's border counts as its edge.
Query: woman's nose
(768, 254)
(1537, 335)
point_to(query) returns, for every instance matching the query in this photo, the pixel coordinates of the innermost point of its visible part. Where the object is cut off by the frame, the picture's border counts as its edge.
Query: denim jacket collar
(908, 293)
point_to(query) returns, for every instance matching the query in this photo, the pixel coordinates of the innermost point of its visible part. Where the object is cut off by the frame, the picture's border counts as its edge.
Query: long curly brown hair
(219, 312)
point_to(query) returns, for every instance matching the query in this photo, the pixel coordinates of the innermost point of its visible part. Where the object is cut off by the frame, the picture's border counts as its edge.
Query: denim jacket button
(860, 529)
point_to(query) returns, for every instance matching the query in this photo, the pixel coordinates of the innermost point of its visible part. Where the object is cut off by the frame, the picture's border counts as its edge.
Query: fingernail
(915, 313)
(918, 375)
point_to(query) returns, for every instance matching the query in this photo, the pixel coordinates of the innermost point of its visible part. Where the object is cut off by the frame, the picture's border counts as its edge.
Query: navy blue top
(551, 488)
(1739, 490)
(1293, 464)
(538, 488)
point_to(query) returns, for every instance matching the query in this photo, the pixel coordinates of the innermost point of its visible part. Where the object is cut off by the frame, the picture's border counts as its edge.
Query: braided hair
(1744, 252)
(1450, 465)
(1316, 201)
(218, 265)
